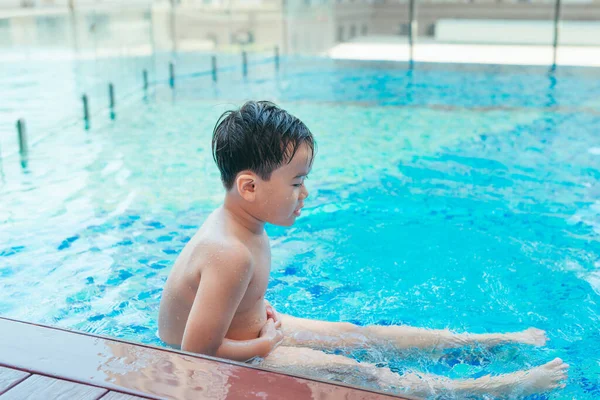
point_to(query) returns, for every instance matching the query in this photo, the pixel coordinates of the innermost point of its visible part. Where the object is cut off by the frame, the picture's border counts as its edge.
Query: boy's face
(281, 198)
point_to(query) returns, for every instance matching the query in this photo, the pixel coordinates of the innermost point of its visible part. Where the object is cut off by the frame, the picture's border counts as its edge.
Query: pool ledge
(112, 368)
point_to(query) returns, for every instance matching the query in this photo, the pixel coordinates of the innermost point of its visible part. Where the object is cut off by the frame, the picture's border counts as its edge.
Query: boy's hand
(271, 313)
(272, 332)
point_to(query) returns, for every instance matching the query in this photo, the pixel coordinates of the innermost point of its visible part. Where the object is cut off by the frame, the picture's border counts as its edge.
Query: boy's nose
(304, 192)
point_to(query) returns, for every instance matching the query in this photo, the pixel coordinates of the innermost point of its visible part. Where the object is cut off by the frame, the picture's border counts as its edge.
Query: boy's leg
(329, 366)
(302, 332)
(518, 384)
(315, 363)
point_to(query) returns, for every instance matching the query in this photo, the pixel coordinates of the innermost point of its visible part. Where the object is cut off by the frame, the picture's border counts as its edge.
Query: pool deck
(40, 362)
(374, 48)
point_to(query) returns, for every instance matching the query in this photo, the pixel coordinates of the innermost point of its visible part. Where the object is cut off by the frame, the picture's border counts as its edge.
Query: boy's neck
(242, 217)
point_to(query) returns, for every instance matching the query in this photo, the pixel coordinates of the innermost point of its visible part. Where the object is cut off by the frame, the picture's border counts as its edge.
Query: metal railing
(86, 116)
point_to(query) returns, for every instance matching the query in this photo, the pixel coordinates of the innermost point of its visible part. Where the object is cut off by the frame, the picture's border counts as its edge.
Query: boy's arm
(244, 350)
(223, 284)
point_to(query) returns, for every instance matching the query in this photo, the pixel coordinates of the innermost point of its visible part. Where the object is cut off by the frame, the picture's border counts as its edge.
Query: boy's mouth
(298, 210)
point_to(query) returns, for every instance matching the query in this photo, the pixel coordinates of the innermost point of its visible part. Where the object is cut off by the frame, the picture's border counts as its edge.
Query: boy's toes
(538, 336)
(555, 363)
(559, 376)
(564, 375)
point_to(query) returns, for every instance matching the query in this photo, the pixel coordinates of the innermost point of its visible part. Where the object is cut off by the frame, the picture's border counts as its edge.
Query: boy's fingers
(270, 312)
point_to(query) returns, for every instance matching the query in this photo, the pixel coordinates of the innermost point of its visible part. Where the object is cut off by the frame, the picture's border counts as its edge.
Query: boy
(213, 301)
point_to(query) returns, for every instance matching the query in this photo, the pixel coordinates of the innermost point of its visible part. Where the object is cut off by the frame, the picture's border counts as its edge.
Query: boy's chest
(262, 269)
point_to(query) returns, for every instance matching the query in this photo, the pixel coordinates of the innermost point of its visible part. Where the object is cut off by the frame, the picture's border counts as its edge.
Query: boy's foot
(536, 380)
(533, 336)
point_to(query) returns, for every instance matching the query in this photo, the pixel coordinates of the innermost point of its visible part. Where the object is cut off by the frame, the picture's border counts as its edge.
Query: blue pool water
(443, 197)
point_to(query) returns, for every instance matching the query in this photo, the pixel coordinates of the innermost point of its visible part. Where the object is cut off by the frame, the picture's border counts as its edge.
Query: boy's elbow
(207, 350)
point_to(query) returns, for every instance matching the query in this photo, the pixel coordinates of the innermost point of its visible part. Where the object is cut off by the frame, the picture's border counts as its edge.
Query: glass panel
(485, 31)
(371, 30)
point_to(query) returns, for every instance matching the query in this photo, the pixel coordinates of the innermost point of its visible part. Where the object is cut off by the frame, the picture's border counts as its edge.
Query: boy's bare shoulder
(218, 250)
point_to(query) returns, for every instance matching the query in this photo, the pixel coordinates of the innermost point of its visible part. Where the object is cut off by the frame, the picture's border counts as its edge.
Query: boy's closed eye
(305, 177)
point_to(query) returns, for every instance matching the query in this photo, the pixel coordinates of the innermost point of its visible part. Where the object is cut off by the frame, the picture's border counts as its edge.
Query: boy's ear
(246, 185)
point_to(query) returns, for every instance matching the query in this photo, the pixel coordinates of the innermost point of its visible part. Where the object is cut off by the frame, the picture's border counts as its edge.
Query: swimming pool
(442, 196)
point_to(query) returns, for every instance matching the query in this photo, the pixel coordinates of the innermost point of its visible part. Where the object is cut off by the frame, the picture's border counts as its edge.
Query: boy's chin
(288, 222)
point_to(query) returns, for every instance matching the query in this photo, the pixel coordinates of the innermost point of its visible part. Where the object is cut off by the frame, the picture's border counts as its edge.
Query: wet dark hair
(259, 137)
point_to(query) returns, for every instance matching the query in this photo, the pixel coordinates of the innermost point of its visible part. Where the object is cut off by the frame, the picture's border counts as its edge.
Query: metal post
(411, 28)
(23, 150)
(145, 77)
(86, 111)
(214, 68)
(111, 102)
(556, 30)
(171, 75)
(245, 64)
(277, 58)
(111, 95)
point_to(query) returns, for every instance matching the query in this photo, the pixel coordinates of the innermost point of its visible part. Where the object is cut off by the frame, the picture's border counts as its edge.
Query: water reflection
(172, 375)
(164, 374)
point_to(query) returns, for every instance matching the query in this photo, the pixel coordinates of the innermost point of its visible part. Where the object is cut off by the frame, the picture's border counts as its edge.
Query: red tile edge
(107, 358)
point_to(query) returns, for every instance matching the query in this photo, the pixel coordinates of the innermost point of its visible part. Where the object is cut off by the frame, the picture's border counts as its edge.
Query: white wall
(516, 32)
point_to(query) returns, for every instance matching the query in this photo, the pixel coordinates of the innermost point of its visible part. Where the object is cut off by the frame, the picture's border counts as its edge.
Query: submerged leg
(334, 367)
(315, 363)
(335, 335)
(523, 383)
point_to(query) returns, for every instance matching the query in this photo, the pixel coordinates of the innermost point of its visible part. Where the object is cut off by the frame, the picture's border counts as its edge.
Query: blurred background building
(342, 28)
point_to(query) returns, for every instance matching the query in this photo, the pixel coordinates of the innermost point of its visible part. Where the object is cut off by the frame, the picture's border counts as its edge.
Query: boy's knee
(349, 327)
